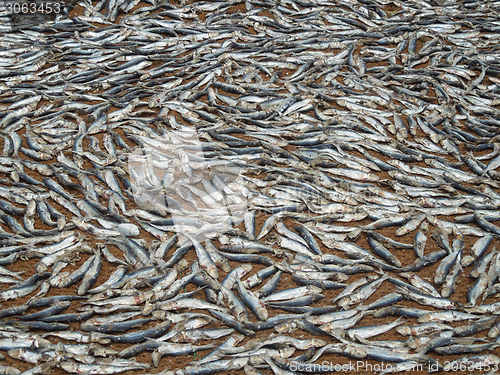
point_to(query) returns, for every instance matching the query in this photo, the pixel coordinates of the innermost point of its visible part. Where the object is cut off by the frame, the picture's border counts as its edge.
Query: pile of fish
(251, 185)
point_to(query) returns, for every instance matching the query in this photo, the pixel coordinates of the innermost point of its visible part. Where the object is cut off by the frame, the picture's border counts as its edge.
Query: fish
(159, 158)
